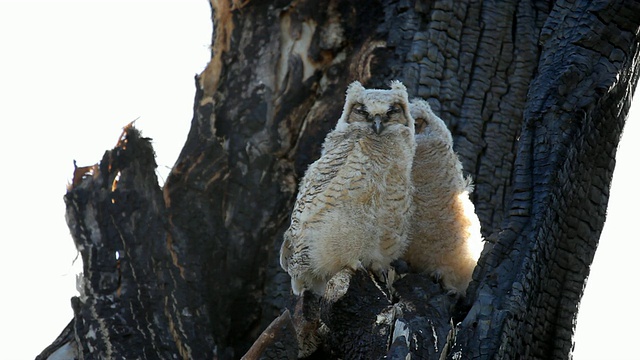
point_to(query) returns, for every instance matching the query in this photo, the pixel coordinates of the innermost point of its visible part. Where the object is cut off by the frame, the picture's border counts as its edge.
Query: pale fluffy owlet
(445, 239)
(354, 203)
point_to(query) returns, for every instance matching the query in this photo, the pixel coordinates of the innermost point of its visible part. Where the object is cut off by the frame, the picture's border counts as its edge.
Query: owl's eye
(360, 109)
(394, 109)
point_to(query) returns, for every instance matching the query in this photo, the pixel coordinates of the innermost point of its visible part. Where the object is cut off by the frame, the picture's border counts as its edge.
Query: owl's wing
(285, 251)
(294, 251)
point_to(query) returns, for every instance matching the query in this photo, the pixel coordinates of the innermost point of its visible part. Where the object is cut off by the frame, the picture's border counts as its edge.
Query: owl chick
(354, 203)
(445, 239)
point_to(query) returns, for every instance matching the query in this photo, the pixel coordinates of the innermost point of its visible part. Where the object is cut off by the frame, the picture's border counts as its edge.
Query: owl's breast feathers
(359, 164)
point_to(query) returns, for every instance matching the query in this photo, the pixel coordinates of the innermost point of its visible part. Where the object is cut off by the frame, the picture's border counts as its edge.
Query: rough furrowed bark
(473, 61)
(361, 318)
(358, 309)
(423, 326)
(528, 293)
(277, 341)
(126, 308)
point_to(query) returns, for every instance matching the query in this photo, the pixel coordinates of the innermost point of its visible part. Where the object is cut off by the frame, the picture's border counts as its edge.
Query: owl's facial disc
(378, 114)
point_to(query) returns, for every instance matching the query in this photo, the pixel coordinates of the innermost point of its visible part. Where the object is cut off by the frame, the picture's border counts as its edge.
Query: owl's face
(378, 116)
(375, 108)
(428, 123)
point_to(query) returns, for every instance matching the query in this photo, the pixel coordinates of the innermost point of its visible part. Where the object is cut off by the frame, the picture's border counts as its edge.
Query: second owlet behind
(355, 202)
(445, 231)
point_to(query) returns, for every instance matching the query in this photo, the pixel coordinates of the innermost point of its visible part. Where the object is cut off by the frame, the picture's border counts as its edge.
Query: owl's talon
(437, 276)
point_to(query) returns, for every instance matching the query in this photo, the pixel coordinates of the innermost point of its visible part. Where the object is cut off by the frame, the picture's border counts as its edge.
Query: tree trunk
(536, 94)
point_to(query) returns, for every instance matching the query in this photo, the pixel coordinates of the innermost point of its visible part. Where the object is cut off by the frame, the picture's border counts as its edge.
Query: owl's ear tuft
(420, 109)
(400, 91)
(354, 94)
(398, 86)
(355, 88)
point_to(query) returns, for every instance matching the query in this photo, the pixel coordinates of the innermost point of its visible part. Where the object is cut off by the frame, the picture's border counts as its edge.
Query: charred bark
(536, 94)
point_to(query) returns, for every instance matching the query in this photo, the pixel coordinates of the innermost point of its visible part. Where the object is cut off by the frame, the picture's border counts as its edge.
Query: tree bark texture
(536, 94)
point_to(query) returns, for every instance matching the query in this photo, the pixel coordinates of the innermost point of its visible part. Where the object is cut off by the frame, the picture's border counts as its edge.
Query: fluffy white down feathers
(355, 202)
(356, 205)
(445, 231)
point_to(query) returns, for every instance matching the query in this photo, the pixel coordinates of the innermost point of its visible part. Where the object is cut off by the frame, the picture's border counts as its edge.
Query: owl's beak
(378, 125)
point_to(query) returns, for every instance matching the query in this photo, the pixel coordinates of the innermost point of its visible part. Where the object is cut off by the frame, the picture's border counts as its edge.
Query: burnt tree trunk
(536, 94)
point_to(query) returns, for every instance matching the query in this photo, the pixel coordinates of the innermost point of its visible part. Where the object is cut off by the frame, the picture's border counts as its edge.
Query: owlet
(445, 239)
(355, 202)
